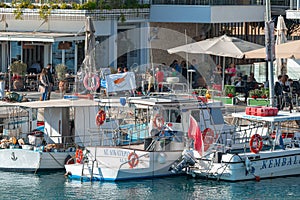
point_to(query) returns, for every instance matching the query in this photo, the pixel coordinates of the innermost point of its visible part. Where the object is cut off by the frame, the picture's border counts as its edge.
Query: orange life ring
(208, 138)
(100, 117)
(158, 121)
(95, 85)
(256, 143)
(79, 156)
(133, 160)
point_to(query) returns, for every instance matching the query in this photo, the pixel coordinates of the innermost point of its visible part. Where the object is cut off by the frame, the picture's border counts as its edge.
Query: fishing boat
(262, 146)
(30, 148)
(140, 137)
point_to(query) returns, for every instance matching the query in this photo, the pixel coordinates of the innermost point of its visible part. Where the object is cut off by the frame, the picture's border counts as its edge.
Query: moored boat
(141, 137)
(261, 147)
(26, 147)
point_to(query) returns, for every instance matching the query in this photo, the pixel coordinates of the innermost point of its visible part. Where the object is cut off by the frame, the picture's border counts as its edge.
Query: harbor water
(55, 186)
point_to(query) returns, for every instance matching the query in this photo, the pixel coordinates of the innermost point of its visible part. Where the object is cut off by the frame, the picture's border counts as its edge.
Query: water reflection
(56, 186)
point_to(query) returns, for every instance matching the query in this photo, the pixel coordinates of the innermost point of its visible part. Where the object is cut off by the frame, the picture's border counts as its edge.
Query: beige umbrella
(286, 50)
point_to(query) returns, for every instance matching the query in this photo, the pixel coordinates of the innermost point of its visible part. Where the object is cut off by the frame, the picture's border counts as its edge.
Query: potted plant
(61, 70)
(18, 69)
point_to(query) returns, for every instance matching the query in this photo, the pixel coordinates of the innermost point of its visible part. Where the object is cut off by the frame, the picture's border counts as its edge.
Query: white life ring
(96, 82)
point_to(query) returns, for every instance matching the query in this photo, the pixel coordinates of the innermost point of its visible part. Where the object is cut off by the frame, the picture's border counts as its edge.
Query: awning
(40, 36)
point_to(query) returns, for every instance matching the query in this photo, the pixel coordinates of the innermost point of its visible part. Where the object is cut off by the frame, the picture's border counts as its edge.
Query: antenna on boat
(187, 63)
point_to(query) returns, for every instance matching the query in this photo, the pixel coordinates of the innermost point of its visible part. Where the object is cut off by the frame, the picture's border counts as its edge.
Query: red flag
(195, 133)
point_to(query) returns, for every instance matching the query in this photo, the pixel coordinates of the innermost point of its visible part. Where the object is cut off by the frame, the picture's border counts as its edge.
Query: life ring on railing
(100, 117)
(258, 143)
(133, 160)
(208, 138)
(158, 121)
(95, 81)
(79, 155)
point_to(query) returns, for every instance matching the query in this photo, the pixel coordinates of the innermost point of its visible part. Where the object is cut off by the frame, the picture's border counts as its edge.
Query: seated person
(295, 86)
(239, 85)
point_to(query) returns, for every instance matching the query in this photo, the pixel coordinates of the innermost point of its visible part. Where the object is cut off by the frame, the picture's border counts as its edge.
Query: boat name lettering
(114, 152)
(279, 162)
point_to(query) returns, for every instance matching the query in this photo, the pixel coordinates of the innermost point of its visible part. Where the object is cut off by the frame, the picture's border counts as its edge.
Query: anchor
(13, 157)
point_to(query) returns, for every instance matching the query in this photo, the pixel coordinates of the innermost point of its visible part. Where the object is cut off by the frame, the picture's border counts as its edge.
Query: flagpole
(270, 51)
(187, 63)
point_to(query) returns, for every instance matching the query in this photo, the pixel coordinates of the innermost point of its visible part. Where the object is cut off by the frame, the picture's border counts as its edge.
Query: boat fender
(133, 160)
(13, 140)
(100, 117)
(256, 143)
(94, 84)
(79, 156)
(158, 121)
(249, 168)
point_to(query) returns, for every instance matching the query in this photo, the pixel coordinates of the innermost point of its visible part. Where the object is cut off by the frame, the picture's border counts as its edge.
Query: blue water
(56, 186)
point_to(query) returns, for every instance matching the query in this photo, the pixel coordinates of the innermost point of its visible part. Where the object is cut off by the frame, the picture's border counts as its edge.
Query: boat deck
(281, 117)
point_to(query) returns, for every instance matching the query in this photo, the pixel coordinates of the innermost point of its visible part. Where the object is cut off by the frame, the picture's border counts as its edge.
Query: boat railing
(121, 135)
(240, 136)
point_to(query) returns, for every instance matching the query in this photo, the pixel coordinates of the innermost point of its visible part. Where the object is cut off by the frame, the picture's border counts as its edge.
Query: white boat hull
(31, 161)
(268, 164)
(111, 164)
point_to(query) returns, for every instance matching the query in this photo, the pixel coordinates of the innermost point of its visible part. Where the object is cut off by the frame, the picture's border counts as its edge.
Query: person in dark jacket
(50, 80)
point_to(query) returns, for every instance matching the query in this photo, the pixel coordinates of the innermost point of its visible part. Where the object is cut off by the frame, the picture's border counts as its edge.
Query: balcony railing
(210, 2)
(68, 14)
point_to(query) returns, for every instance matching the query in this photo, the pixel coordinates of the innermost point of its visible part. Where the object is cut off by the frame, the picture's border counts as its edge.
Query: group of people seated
(245, 84)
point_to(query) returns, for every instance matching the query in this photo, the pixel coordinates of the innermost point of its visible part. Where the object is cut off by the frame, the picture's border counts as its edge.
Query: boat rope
(55, 160)
(224, 167)
(144, 155)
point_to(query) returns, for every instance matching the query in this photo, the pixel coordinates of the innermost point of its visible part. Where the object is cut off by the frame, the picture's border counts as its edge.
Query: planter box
(258, 102)
(225, 100)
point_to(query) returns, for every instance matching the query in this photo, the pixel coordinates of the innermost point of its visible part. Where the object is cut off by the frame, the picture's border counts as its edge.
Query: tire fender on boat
(158, 121)
(79, 156)
(100, 117)
(256, 143)
(95, 82)
(133, 160)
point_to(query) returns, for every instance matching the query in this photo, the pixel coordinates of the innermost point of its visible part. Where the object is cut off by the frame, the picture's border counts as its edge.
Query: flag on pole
(195, 133)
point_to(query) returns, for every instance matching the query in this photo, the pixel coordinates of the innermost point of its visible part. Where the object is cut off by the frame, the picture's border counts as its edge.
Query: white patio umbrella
(219, 46)
(280, 39)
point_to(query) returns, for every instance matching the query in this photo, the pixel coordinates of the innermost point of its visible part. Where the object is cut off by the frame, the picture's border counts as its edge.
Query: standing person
(159, 78)
(150, 82)
(183, 67)
(231, 73)
(50, 80)
(43, 84)
(175, 66)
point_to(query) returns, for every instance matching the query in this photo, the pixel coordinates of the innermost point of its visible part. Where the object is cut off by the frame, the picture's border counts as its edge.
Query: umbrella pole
(223, 74)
